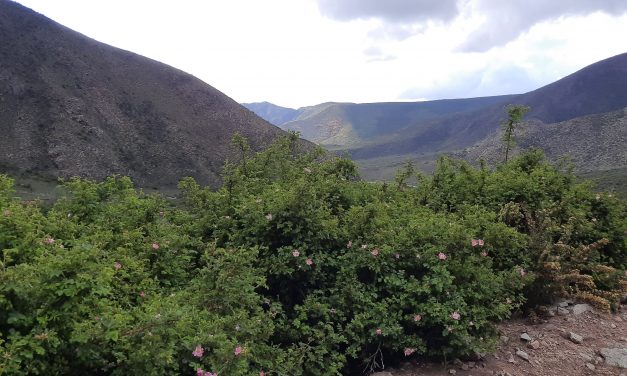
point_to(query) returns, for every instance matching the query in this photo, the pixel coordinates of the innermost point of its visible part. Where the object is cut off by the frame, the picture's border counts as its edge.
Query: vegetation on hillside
(296, 267)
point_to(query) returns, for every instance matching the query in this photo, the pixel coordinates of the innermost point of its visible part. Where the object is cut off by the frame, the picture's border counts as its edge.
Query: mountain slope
(72, 106)
(592, 143)
(349, 125)
(597, 88)
(272, 113)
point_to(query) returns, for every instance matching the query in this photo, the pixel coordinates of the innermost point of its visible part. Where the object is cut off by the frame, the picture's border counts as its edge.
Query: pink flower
(522, 272)
(484, 254)
(295, 253)
(200, 372)
(349, 244)
(441, 256)
(262, 373)
(455, 315)
(155, 246)
(397, 255)
(378, 332)
(309, 262)
(375, 252)
(198, 351)
(142, 294)
(417, 317)
(117, 265)
(238, 350)
(409, 350)
(477, 242)
(49, 240)
(269, 217)
(211, 374)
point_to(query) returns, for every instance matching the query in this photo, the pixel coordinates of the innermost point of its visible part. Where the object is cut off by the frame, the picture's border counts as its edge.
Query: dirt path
(551, 350)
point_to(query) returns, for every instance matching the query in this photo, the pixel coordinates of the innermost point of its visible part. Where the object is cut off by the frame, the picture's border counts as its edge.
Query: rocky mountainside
(70, 106)
(592, 143)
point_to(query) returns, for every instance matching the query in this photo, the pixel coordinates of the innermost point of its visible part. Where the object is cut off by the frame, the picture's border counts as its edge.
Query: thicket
(296, 267)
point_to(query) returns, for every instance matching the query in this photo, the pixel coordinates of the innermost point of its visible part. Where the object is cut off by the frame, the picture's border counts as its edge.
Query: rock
(452, 371)
(615, 356)
(522, 354)
(472, 364)
(563, 304)
(465, 367)
(591, 366)
(562, 311)
(511, 359)
(613, 326)
(534, 345)
(525, 337)
(586, 357)
(576, 338)
(578, 309)
(504, 339)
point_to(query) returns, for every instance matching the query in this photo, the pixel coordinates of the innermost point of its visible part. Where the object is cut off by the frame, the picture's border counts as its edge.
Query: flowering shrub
(294, 267)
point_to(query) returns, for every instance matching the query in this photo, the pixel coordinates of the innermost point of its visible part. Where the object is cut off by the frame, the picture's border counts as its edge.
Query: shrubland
(296, 266)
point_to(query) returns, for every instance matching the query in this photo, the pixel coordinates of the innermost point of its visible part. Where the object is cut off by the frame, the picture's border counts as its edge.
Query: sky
(298, 53)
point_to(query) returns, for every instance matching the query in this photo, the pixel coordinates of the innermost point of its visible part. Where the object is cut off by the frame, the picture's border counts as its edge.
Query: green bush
(295, 266)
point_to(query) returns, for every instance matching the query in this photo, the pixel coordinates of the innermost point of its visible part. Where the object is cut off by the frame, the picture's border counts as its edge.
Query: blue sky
(303, 52)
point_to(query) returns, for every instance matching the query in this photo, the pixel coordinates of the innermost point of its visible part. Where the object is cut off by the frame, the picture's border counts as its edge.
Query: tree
(515, 113)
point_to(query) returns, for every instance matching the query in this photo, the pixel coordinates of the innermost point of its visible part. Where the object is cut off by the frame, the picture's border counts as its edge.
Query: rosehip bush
(295, 266)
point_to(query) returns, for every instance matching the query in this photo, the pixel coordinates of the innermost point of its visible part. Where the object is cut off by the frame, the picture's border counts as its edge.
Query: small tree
(515, 113)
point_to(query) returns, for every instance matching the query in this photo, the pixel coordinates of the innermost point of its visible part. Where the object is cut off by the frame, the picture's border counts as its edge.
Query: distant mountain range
(380, 135)
(71, 106)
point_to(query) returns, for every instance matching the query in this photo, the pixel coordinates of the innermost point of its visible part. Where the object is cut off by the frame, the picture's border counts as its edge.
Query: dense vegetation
(296, 267)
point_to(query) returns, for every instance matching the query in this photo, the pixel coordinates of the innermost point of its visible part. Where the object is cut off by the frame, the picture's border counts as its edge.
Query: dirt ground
(556, 354)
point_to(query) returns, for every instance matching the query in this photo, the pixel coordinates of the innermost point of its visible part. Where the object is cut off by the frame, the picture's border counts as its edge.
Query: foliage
(295, 266)
(515, 113)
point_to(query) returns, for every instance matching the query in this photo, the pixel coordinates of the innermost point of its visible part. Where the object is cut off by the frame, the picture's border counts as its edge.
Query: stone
(591, 366)
(511, 359)
(465, 367)
(563, 304)
(562, 311)
(504, 339)
(525, 337)
(452, 371)
(522, 354)
(616, 357)
(575, 338)
(534, 345)
(586, 357)
(472, 364)
(578, 309)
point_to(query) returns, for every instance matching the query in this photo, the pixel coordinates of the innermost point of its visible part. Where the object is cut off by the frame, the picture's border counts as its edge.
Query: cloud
(375, 54)
(500, 21)
(392, 11)
(504, 21)
(497, 80)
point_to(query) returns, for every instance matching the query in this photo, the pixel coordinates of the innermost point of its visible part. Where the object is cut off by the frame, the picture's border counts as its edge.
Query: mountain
(595, 142)
(595, 89)
(71, 106)
(350, 125)
(272, 113)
